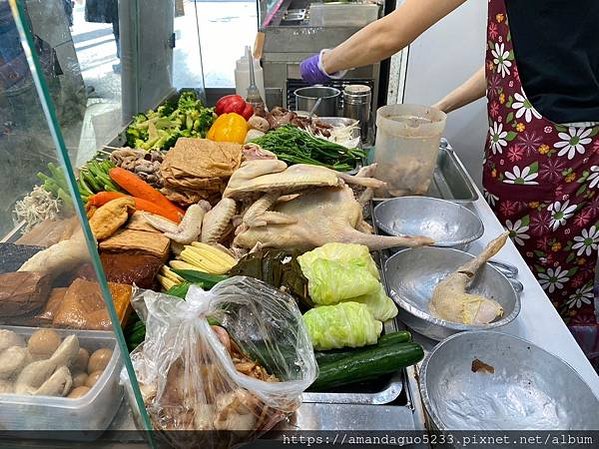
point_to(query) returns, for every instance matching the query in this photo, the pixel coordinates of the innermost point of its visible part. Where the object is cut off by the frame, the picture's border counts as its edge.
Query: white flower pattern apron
(542, 180)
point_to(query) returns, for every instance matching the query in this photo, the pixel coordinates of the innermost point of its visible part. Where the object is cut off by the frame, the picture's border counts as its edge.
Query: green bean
(294, 145)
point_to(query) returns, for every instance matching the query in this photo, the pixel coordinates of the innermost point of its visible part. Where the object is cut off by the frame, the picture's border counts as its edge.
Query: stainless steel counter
(537, 322)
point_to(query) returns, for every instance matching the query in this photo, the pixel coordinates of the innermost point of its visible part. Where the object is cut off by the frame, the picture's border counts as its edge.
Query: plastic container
(242, 77)
(407, 147)
(92, 412)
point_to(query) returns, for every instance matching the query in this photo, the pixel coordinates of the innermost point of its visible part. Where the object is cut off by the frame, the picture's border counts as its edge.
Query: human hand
(311, 70)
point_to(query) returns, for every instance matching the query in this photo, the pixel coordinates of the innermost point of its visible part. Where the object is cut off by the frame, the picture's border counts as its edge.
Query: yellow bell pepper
(229, 128)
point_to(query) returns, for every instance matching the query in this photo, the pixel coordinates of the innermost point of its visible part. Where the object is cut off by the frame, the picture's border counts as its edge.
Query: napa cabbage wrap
(339, 272)
(380, 305)
(347, 324)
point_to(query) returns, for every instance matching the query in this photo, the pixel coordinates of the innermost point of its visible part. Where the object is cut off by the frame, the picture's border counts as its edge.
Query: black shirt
(556, 45)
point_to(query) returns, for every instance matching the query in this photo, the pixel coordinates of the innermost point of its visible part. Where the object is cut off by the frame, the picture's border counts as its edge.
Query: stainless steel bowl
(530, 388)
(412, 275)
(449, 224)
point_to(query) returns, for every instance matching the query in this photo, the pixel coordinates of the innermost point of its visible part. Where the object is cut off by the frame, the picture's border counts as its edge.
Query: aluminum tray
(388, 391)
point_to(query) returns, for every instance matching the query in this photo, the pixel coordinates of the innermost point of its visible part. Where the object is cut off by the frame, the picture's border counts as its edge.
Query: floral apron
(542, 180)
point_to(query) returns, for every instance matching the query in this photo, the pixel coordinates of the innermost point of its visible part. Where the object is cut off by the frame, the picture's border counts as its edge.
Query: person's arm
(388, 35)
(470, 91)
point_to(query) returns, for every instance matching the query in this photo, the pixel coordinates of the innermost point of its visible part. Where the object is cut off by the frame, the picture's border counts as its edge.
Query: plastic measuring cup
(407, 146)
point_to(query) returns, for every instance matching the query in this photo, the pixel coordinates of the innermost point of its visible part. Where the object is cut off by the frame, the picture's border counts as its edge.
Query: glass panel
(63, 350)
(188, 61)
(234, 19)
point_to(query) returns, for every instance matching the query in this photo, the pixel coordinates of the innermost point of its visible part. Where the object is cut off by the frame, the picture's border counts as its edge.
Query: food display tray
(384, 391)
(92, 412)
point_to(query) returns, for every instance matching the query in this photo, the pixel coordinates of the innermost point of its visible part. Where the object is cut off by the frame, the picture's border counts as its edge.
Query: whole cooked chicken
(451, 302)
(316, 217)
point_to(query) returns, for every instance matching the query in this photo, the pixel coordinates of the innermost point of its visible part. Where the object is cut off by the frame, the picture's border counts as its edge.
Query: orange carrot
(99, 199)
(153, 208)
(140, 189)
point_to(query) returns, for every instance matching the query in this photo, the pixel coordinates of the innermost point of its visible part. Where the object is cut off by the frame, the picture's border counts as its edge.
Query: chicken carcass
(317, 217)
(258, 177)
(451, 302)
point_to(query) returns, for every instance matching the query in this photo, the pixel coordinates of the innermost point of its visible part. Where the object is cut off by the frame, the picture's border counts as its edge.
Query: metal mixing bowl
(412, 275)
(530, 388)
(449, 224)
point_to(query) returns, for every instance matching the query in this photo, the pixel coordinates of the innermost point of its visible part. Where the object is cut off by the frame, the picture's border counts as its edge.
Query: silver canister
(307, 97)
(356, 104)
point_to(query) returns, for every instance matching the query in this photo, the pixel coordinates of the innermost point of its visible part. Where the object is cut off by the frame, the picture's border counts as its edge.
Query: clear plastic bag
(194, 375)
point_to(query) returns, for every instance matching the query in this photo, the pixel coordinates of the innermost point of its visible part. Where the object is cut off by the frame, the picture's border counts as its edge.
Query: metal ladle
(314, 108)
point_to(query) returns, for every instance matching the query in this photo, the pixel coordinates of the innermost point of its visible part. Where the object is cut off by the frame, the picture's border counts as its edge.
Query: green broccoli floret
(166, 109)
(138, 130)
(166, 140)
(205, 120)
(188, 101)
(186, 117)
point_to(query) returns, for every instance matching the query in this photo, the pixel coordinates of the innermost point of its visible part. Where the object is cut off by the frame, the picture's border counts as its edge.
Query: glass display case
(65, 330)
(71, 262)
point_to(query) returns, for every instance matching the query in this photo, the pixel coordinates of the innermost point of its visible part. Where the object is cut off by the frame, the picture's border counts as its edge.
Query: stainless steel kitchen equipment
(296, 29)
(449, 224)
(357, 99)
(306, 99)
(451, 181)
(412, 275)
(523, 386)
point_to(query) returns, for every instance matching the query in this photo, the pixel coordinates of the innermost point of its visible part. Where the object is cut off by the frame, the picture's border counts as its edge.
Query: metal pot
(306, 98)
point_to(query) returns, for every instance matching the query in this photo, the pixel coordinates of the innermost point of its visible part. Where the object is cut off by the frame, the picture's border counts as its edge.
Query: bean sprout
(38, 206)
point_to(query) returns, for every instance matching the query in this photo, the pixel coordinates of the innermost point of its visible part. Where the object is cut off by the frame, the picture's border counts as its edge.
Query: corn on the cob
(207, 259)
(180, 265)
(218, 253)
(166, 283)
(170, 274)
(219, 261)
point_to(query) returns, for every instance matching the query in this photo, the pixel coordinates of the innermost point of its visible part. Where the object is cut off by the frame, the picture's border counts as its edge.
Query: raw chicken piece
(318, 217)
(216, 221)
(451, 302)
(273, 176)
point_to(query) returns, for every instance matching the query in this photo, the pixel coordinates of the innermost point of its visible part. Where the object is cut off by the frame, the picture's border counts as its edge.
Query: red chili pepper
(235, 104)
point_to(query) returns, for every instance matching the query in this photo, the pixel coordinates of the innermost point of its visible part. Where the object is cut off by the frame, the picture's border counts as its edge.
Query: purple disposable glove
(312, 72)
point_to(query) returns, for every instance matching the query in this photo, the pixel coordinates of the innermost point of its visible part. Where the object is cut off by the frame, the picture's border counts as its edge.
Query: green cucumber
(199, 277)
(367, 365)
(387, 339)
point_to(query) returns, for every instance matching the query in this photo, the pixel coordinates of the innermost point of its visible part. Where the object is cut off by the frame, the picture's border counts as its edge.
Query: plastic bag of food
(236, 358)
